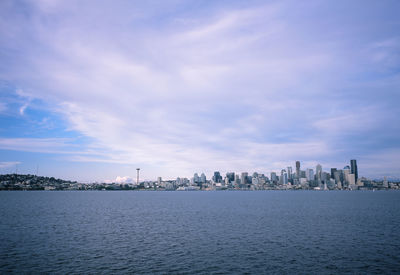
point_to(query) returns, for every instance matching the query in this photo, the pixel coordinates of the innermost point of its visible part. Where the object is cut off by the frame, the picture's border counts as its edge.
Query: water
(200, 232)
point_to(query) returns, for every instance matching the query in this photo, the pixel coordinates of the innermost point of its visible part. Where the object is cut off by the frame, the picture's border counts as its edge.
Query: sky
(92, 90)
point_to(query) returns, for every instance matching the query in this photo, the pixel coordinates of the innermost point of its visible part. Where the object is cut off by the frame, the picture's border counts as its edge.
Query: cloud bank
(178, 87)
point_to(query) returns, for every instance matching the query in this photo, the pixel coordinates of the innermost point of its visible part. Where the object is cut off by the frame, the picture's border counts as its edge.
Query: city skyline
(303, 179)
(301, 171)
(91, 91)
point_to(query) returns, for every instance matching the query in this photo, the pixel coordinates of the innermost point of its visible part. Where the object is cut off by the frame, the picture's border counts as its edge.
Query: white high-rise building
(226, 181)
(310, 174)
(237, 179)
(318, 171)
(273, 176)
(254, 181)
(290, 172)
(351, 178)
(284, 178)
(385, 182)
(243, 178)
(196, 178)
(346, 173)
(203, 178)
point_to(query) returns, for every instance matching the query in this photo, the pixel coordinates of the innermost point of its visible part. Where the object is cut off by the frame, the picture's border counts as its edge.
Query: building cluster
(32, 182)
(308, 179)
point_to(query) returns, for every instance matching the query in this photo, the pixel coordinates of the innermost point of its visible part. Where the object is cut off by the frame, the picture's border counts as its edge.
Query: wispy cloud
(41, 145)
(236, 88)
(27, 100)
(22, 109)
(3, 107)
(8, 164)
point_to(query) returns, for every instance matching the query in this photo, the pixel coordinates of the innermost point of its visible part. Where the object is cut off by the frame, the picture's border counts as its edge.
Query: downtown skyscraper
(354, 170)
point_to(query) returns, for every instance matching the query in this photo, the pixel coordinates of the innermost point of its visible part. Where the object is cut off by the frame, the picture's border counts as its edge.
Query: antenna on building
(37, 170)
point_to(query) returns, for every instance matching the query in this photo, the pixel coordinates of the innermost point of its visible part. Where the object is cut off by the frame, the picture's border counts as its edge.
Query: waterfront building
(339, 176)
(203, 178)
(309, 174)
(273, 177)
(284, 177)
(346, 172)
(325, 176)
(230, 176)
(243, 178)
(298, 169)
(262, 180)
(351, 180)
(290, 172)
(237, 179)
(331, 184)
(217, 177)
(333, 170)
(303, 182)
(354, 169)
(254, 181)
(227, 182)
(318, 172)
(385, 182)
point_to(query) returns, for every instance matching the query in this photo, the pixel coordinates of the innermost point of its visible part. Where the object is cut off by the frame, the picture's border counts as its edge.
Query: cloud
(27, 98)
(125, 179)
(8, 164)
(371, 165)
(22, 109)
(362, 120)
(45, 145)
(240, 88)
(3, 107)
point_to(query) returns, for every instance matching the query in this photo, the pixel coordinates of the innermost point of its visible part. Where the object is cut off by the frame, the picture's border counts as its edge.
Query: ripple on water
(199, 232)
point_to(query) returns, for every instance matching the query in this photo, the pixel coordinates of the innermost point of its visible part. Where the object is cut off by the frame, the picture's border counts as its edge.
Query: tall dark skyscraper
(289, 172)
(230, 176)
(354, 169)
(217, 177)
(298, 169)
(333, 170)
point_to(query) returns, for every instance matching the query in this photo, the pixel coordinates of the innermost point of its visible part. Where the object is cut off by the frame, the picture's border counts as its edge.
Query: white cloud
(22, 109)
(125, 179)
(8, 164)
(40, 145)
(381, 163)
(3, 107)
(27, 98)
(383, 54)
(198, 93)
(359, 120)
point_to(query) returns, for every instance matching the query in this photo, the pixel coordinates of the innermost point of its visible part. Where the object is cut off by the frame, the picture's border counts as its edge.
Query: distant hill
(32, 182)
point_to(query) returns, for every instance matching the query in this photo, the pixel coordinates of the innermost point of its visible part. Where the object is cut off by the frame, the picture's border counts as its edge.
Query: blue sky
(90, 90)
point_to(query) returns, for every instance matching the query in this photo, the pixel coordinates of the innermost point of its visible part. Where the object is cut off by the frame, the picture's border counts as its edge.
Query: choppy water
(200, 232)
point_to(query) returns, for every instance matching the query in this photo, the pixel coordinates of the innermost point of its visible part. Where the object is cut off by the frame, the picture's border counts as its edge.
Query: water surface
(200, 232)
